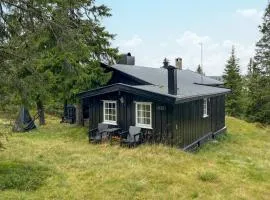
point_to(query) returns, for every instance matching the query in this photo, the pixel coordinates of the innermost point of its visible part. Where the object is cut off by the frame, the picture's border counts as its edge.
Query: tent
(24, 122)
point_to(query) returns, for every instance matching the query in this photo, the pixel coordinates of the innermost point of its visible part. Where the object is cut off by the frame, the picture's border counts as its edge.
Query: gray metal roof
(190, 85)
(184, 91)
(219, 78)
(158, 76)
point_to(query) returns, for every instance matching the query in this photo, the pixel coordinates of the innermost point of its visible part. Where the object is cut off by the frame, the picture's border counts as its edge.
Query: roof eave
(129, 89)
(141, 81)
(196, 97)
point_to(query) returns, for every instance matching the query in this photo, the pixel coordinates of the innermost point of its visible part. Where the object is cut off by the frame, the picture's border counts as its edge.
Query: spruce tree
(259, 108)
(252, 85)
(233, 81)
(199, 70)
(51, 50)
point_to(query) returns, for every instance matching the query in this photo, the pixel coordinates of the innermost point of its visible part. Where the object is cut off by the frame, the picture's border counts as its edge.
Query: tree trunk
(40, 109)
(65, 108)
(79, 117)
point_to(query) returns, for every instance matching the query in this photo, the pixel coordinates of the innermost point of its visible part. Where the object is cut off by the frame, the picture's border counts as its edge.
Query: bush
(22, 176)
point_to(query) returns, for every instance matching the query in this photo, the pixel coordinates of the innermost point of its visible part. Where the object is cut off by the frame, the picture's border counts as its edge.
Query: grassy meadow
(57, 162)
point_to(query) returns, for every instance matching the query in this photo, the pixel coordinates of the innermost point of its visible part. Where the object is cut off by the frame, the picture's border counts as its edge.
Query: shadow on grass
(22, 176)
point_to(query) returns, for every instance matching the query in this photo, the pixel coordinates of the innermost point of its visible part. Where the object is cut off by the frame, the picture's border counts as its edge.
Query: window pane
(110, 111)
(139, 114)
(143, 113)
(205, 106)
(144, 120)
(143, 107)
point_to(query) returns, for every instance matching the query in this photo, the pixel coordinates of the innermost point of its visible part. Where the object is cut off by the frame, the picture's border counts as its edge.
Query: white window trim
(205, 114)
(109, 121)
(147, 126)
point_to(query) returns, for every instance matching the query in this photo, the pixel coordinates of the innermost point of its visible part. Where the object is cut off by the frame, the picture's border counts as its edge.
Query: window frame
(147, 126)
(205, 107)
(109, 121)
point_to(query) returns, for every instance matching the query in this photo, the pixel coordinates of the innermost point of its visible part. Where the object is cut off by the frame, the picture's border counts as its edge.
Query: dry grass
(234, 167)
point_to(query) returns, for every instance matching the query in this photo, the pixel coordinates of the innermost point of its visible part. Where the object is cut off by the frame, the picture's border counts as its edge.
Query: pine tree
(233, 81)
(259, 109)
(199, 70)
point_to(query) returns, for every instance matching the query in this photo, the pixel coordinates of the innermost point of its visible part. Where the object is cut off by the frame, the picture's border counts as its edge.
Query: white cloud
(187, 46)
(133, 42)
(215, 53)
(189, 37)
(228, 43)
(249, 12)
(253, 14)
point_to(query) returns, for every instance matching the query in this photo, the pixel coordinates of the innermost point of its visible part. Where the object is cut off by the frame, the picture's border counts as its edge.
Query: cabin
(173, 106)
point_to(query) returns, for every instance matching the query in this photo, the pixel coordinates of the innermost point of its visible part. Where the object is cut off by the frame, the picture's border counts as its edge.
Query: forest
(51, 50)
(250, 96)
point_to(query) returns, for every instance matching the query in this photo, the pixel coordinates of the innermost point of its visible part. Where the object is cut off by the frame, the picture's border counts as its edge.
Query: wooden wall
(126, 113)
(178, 125)
(190, 125)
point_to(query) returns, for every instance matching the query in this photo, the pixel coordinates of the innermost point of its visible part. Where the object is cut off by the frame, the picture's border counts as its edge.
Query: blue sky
(154, 29)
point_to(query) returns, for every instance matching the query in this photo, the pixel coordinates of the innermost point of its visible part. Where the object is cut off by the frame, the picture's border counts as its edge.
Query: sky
(154, 29)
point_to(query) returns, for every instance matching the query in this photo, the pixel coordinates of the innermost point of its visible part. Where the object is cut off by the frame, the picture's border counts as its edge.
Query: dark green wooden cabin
(173, 106)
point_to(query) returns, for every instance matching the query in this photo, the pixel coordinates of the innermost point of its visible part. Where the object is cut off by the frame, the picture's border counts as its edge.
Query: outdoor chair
(132, 137)
(96, 135)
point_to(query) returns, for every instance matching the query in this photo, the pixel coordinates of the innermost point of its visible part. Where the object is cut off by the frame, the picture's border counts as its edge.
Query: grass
(22, 176)
(208, 176)
(56, 162)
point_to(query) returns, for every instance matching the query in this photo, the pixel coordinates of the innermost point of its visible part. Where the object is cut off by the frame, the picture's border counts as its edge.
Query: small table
(112, 132)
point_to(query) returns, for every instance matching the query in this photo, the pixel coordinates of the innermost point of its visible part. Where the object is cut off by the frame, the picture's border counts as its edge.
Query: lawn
(56, 162)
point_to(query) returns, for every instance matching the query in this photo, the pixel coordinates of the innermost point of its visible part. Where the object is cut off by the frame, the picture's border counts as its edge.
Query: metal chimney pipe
(172, 80)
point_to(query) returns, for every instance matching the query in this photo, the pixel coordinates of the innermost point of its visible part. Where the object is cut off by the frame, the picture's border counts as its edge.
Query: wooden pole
(79, 113)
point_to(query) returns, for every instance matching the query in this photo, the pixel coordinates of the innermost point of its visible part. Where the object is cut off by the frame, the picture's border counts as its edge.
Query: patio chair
(96, 135)
(132, 137)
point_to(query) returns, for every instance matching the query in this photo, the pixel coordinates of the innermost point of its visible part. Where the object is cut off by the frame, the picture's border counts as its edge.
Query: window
(205, 114)
(143, 114)
(109, 112)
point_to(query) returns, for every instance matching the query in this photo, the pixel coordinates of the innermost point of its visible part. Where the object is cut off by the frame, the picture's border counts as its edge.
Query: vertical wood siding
(178, 125)
(189, 123)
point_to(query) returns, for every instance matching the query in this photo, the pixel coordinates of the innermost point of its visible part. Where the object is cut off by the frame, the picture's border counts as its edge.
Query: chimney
(172, 77)
(126, 59)
(178, 63)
